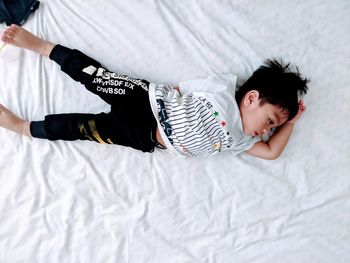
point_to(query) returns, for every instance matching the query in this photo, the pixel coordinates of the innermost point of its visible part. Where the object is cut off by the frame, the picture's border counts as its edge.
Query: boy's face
(259, 119)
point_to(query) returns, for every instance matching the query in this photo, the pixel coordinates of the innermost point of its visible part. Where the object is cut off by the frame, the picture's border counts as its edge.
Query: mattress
(86, 202)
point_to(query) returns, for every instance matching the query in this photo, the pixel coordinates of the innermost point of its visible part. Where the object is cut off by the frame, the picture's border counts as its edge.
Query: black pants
(130, 122)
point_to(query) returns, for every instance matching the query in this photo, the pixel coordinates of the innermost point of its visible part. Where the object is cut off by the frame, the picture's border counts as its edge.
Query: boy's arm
(273, 148)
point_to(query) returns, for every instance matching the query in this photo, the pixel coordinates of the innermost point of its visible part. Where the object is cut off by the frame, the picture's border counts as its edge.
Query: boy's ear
(250, 97)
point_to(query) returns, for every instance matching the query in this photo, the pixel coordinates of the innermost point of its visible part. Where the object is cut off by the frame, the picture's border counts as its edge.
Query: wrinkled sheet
(86, 202)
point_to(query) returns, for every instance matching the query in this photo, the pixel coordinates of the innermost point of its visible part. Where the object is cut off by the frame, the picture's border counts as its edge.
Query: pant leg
(108, 85)
(102, 128)
(73, 126)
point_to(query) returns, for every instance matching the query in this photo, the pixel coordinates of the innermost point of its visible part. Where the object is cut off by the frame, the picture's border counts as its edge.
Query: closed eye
(271, 122)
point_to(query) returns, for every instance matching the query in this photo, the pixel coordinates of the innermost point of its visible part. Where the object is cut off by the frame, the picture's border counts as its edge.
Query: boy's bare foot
(10, 121)
(19, 37)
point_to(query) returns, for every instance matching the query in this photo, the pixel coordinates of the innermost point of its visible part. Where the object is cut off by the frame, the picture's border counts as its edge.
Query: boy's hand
(301, 110)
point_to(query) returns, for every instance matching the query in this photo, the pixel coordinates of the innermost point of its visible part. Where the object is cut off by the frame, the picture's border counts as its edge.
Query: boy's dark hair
(277, 84)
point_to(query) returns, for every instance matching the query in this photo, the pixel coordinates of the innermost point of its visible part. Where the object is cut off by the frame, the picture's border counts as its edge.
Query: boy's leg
(55, 127)
(97, 79)
(101, 128)
(74, 126)
(110, 86)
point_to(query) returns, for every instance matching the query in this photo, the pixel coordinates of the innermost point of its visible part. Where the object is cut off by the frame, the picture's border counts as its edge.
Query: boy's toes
(14, 26)
(8, 33)
(14, 29)
(11, 30)
(6, 40)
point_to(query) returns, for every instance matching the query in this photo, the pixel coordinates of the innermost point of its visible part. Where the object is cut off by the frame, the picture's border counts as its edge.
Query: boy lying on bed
(199, 118)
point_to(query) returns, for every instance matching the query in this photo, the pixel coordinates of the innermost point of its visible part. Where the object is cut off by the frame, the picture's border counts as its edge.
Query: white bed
(86, 202)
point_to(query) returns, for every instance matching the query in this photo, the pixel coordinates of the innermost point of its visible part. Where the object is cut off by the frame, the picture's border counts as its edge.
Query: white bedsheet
(86, 202)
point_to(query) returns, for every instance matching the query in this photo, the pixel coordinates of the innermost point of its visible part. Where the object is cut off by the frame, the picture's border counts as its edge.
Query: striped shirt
(202, 119)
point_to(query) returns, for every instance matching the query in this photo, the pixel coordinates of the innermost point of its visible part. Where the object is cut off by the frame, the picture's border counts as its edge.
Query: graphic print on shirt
(205, 133)
(223, 124)
(218, 146)
(164, 120)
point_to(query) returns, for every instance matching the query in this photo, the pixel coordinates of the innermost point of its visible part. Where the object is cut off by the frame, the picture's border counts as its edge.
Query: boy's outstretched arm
(273, 148)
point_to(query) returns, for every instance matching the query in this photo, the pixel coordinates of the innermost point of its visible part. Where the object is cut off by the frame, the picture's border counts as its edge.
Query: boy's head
(269, 97)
